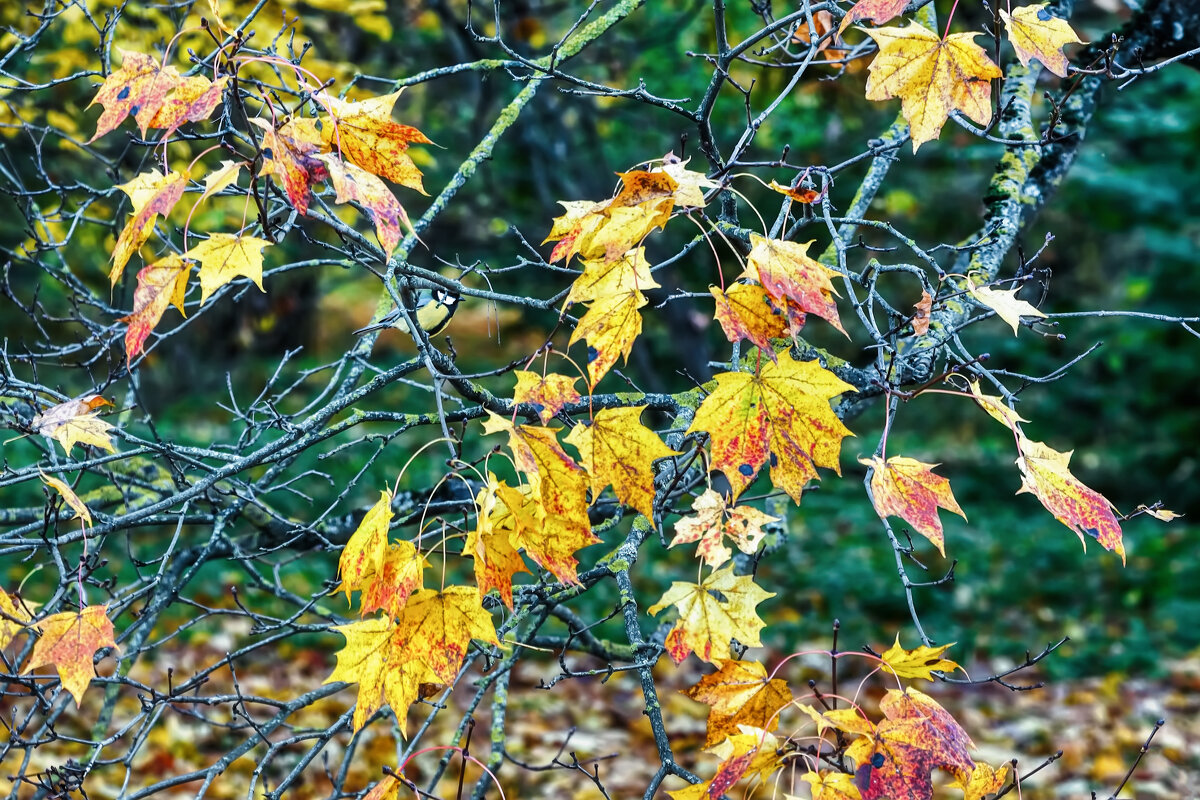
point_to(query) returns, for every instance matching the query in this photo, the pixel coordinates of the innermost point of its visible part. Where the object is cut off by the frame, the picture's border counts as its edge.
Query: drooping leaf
(707, 624)
(610, 327)
(607, 231)
(787, 273)
(290, 153)
(996, 408)
(796, 193)
(159, 285)
(744, 313)
(548, 394)
(740, 693)
(226, 174)
(932, 77)
(367, 548)
(14, 616)
(924, 309)
(386, 789)
(1004, 303)
(365, 134)
(225, 256)
(618, 450)
(1045, 474)
(918, 663)
(69, 642)
(69, 497)
(153, 194)
(877, 11)
(354, 184)
(72, 422)
(600, 278)
(907, 488)
(139, 88)
(374, 658)
(713, 521)
(438, 626)
(1160, 514)
(846, 720)
(782, 414)
(490, 542)
(1035, 33)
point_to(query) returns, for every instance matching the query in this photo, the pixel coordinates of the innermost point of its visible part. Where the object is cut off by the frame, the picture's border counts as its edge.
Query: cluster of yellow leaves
(935, 76)
(615, 274)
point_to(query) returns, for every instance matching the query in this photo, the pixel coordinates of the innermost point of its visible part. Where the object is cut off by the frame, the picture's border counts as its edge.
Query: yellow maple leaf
(159, 285)
(1035, 33)
(932, 77)
(1045, 474)
(72, 422)
(996, 408)
(690, 185)
(750, 753)
(781, 414)
(713, 521)
(389, 588)
(153, 194)
(984, 780)
(226, 174)
(547, 394)
(600, 278)
(367, 548)
(918, 663)
(1004, 303)
(787, 273)
(744, 313)
(610, 327)
(69, 497)
(490, 542)
(365, 133)
(707, 624)
(224, 256)
(374, 658)
(740, 693)
(14, 617)
(139, 87)
(193, 100)
(69, 642)
(438, 626)
(618, 449)
(907, 488)
(830, 785)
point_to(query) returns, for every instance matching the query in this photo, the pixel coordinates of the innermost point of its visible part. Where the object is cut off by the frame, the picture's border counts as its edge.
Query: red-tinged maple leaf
(291, 154)
(69, 642)
(490, 542)
(365, 133)
(711, 614)
(877, 11)
(744, 313)
(1045, 474)
(193, 100)
(15, 615)
(581, 219)
(438, 626)
(623, 228)
(367, 548)
(1035, 33)
(917, 737)
(713, 521)
(639, 186)
(72, 422)
(618, 450)
(153, 195)
(932, 77)
(787, 273)
(354, 184)
(389, 589)
(607, 231)
(830, 785)
(225, 256)
(918, 663)
(374, 657)
(907, 488)
(781, 414)
(796, 193)
(740, 693)
(160, 284)
(138, 88)
(547, 394)
(610, 327)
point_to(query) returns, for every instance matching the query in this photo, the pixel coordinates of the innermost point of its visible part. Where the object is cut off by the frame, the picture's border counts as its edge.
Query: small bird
(433, 311)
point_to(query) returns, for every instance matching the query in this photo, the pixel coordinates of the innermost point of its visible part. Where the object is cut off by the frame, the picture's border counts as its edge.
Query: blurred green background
(1126, 229)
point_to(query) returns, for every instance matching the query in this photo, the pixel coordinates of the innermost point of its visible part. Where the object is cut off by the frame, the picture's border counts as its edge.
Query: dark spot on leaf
(538, 407)
(133, 110)
(268, 154)
(877, 760)
(746, 470)
(1092, 532)
(774, 460)
(1043, 14)
(592, 354)
(124, 93)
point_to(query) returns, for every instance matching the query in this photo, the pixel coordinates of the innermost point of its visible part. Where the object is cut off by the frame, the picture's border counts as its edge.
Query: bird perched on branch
(432, 311)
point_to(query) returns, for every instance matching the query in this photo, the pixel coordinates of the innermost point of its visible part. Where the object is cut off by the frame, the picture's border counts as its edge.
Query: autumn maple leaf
(740, 693)
(365, 134)
(618, 449)
(713, 521)
(159, 285)
(788, 274)
(547, 394)
(707, 623)
(73, 422)
(490, 542)
(1004, 303)
(932, 77)
(877, 11)
(139, 88)
(225, 256)
(193, 100)
(152, 195)
(69, 642)
(437, 626)
(367, 549)
(744, 313)
(1036, 33)
(918, 663)
(291, 153)
(908, 489)
(354, 184)
(14, 617)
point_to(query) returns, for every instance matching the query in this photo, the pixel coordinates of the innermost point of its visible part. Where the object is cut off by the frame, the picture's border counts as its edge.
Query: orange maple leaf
(389, 588)
(918, 663)
(193, 100)
(152, 194)
(160, 284)
(1045, 474)
(1036, 33)
(547, 394)
(921, 319)
(618, 449)
(781, 414)
(984, 780)
(707, 623)
(740, 693)
(830, 785)
(490, 542)
(907, 488)
(69, 642)
(290, 153)
(878, 11)
(366, 135)
(744, 313)
(355, 184)
(139, 88)
(713, 521)
(787, 273)
(932, 77)
(607, 231)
